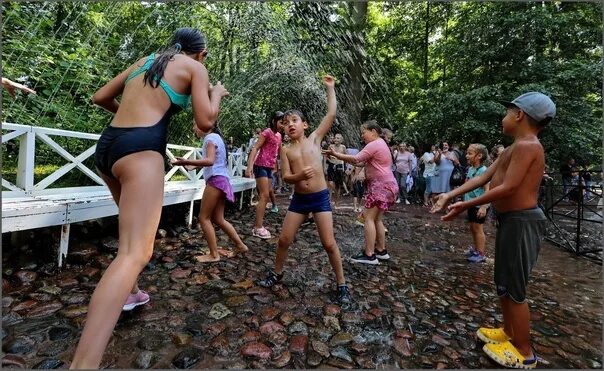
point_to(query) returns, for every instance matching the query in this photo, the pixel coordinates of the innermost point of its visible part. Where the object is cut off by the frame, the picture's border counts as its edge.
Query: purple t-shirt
(267, 155)
(378, 161)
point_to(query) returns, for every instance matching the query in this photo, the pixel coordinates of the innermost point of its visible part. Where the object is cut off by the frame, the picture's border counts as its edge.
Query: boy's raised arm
(332, 105)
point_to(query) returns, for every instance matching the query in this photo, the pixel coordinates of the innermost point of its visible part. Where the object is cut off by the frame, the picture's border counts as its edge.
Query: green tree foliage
(429, 71)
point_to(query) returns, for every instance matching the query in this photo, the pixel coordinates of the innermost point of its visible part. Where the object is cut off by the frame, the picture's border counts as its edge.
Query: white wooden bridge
(28, 205)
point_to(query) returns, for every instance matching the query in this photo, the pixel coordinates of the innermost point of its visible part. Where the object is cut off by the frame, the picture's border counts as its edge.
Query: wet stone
(11, 318)
(365, 362)
(321, 348)
(187, 358)
(145, 359)
(298, 328)
(283, 360)
(331, 310)
(52, 290)
(13, 360)
(332, 323)
(313, 359)
(75, 311)
(220, 345)
(351, 318)
(358, 348)
(49, 364)
(181, 339)
(341, 338)
(19, 345)
(52, 349)
(250, 336)
(236, 301)
(440, 341)
(340, 363)
(271, 327)
(430, 349)
(24, 305)
(215, 328)
(286, 318)
(25, 276)
(342, 353)
(152, 341)
(298, 344)
(277, 338)
(219, 311)
(70, 299)
(402, 347)
(256, 350)
(268, 314)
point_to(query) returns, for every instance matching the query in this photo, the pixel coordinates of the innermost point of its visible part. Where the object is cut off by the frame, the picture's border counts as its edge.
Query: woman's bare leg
(142, 187)
(370, 230)
(263, 186)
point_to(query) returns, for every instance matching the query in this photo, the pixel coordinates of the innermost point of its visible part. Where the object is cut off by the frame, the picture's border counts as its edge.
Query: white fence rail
(28, 205)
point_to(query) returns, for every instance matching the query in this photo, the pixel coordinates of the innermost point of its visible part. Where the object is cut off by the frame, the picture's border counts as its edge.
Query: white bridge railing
(27, 135)
(27, 204)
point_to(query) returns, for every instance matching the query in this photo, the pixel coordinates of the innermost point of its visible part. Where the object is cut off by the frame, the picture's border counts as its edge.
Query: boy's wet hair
(296, 112)
(480, 149)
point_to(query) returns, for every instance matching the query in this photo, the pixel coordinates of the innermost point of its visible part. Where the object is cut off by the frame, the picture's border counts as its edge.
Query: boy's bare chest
(304, 152)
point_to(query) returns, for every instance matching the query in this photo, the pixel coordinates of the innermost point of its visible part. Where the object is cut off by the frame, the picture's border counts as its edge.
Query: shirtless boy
(515, 178)
(302, 166)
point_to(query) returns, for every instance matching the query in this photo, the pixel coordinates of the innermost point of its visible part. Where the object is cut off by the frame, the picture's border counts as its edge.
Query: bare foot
(226, 253)
(241, 249)
(207, 258)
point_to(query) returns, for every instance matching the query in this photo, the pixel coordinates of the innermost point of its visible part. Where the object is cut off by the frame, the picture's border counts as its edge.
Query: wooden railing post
(25, 166)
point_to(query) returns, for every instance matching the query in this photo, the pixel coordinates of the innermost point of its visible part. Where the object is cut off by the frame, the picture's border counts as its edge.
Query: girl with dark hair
(129, 157)
(261, 166)
(218, 188)
(380, 193)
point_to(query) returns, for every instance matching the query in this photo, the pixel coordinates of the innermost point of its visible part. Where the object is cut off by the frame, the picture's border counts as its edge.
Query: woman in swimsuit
(129, 157)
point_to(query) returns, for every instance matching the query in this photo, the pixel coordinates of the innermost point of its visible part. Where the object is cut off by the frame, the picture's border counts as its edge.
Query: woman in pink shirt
(266, 148)
(381, 190)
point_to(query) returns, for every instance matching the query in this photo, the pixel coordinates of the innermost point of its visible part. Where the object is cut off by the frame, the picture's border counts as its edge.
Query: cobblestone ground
(421, 309)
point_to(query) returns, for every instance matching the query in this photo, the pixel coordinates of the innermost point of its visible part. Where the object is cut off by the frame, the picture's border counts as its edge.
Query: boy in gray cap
(515, 178)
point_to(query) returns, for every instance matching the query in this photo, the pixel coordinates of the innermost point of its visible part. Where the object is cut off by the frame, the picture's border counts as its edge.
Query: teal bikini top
(181, 100)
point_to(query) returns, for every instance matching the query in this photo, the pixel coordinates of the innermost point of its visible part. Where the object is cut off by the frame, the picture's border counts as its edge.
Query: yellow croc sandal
(507, 355)
(492, 335)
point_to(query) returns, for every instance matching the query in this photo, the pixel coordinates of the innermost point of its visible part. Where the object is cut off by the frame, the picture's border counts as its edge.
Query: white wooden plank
(63, 246)
(10, 186)
(25, 165)
(12, 135)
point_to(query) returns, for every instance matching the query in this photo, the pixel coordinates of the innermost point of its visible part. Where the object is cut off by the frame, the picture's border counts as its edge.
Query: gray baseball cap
(537, 105)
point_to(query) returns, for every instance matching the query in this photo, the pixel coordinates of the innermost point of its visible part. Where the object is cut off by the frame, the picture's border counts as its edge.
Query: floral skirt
(381, 194)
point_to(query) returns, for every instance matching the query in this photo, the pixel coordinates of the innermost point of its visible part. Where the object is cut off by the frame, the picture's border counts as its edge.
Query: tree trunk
(354, 97)
(426, 45)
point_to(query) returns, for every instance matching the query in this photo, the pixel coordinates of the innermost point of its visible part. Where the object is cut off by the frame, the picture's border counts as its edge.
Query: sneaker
(507, 355)
(261, 233)
(274, 209)
(364, 259)
(134, 300)
(470, 251)
(407, 202)
(492, 335)
(344, 295)
(308, 221)
(382, 255)
(271, 279)
(477, 258)
(398, 201)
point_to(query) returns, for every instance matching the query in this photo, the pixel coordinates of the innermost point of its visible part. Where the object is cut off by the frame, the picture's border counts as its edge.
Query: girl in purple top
(267, 148)
(218, 189)
(381, 193)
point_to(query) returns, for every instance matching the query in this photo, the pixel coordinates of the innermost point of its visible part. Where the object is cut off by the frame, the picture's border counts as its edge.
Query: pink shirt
(267, 155)
(403, 162)
(378, 161)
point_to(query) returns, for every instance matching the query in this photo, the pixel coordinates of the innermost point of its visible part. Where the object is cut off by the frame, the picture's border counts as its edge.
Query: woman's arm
(205, 98)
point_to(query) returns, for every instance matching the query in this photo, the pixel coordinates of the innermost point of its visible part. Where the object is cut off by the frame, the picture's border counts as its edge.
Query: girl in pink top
(381, 190)
(261, 166)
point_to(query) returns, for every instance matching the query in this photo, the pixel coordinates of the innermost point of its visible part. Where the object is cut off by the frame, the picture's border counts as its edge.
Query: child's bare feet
(241, 249)
(208, 258)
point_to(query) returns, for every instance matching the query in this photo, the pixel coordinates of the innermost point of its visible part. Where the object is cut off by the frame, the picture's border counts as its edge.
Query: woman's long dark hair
(186, 40)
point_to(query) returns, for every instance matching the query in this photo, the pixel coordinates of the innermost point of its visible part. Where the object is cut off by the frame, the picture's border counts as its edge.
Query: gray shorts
(517, 244)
